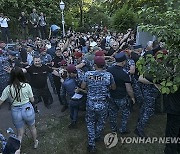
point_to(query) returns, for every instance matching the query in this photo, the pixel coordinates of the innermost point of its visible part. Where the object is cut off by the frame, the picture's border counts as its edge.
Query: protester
(54, 29)
(70, 87)
(38, 80)
(4, 28)
(42, 25)
(34, 20)
(24, 24)
(20, 92)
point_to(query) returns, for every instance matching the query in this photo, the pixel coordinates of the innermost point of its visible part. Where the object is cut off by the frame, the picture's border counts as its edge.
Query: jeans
(23, 114)
(74, 113)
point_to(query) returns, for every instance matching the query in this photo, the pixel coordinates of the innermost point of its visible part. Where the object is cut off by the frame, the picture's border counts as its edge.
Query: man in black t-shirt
(119, 96)
(38, 80)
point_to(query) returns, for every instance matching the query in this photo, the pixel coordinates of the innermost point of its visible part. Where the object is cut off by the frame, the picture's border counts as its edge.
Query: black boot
(91, 149)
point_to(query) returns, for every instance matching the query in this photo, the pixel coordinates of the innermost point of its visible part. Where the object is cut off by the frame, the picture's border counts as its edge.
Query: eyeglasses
(114, 45)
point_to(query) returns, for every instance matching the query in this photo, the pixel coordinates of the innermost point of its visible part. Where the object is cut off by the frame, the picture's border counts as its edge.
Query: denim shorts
(23, 114)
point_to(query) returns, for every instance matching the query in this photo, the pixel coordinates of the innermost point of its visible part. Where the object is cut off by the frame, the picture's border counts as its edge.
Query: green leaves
(164, 23)
(124, 18)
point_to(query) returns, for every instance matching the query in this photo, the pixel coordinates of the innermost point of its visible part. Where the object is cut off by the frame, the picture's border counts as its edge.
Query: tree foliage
(124, 18)
(164, 23)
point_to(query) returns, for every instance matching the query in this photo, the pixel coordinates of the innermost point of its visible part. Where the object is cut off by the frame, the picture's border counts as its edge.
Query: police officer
(119, 96)
(150, 93)
(4, 76)
(98, 83)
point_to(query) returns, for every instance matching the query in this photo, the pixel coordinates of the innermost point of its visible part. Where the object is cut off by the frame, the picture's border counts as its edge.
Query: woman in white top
(22, 110)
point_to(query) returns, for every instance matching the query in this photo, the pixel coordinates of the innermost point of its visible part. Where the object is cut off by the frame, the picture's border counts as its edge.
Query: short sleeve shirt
(98, 83)
(39, 75)
(120, 78)
(25, 94)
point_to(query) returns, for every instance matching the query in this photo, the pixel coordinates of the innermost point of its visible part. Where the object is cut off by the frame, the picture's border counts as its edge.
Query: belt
(19, 105)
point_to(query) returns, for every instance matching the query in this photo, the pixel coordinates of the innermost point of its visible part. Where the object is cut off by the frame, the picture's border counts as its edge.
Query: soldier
(98, 83)
(119, 99)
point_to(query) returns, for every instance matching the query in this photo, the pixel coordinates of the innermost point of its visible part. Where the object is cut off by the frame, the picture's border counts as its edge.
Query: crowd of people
(93, 71)
(29, 25)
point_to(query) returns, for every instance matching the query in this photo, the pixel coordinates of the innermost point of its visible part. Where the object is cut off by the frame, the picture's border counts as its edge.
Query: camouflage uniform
(150, 92)
(119, 99)
(114, 107)
(4, 76)
(135, 84)
(98, 83)
(129, 63)
(137, 88)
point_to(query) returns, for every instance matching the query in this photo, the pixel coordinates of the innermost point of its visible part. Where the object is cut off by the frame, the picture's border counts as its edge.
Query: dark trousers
(5, 34)
(43, 32)
(55, 33)
(43, 94)
(57, 83)
(172, 130)
(24, 32)
(74, 113)
(35, 32)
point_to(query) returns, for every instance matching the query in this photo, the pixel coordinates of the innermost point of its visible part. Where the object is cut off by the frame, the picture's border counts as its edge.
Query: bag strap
(16, 96)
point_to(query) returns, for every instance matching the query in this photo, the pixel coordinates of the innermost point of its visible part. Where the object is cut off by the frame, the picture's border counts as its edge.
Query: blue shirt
(54, 27)
(70, 84)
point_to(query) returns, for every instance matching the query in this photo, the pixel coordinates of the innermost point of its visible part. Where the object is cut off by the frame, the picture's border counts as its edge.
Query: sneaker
(36, 144)
(91, 149)
(64, 108)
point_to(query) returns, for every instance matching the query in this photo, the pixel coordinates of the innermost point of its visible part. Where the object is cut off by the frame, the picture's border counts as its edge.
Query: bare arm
(50, 33)
(32, 99)
(144, 80)
(132, 69)
(113, 86)
(24, 70)
(130, 91)
(1, 102)
(83, 85)
(80, 65)
(55, 73)
(125, 37)
(66, 45)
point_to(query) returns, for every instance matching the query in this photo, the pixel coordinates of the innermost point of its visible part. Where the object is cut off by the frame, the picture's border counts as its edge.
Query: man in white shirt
(4, 28)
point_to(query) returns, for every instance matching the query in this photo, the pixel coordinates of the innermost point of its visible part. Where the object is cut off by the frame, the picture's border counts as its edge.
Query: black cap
(120, 57)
